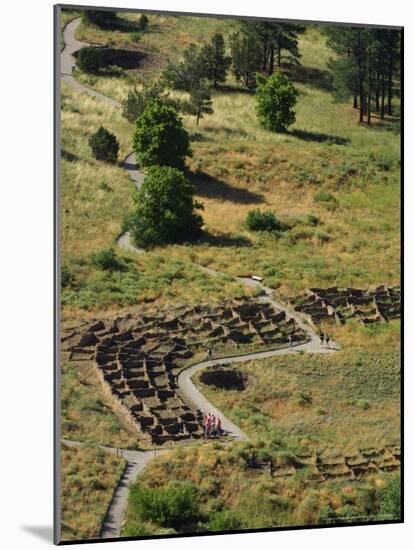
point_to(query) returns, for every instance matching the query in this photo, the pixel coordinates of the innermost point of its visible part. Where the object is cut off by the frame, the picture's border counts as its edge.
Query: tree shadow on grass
(228, 89)
(120, 24)
(389, 124)
(311, 76)
(224, 240)
(318, 137)
(70, 157)
(213, 188)
(228, 132)
(196, 136)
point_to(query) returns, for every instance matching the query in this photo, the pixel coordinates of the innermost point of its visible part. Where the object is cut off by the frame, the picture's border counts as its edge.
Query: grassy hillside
(93, 474)
(166, 36)
(220, 478)
(336, 185)
(88, 413)
(339, 401)
(237, 166)
(95, 198)
(332, 406)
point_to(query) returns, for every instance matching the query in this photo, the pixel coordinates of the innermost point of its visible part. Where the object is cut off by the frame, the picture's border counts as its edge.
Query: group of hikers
(325, 340)
(212, 426)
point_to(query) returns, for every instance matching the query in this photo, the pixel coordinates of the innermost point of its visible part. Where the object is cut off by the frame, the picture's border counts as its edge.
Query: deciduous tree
(160, 137)
(165, 210)
(275, 101)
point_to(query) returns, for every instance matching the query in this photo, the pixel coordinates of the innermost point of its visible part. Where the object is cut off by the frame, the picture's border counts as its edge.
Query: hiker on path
(322, 339)
(207, 424)
(218, 427)
(209, 354)
(327, 340)
(290, 340)
(213, 425)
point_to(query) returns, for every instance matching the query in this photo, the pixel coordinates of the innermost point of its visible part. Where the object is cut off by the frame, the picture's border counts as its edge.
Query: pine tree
(273, 39)
(143, 23)
(200, 102)
(286, 38)
(246, 57)
(138, 99)
(366, 65)
(214, 60)
(187, 74)
(389, 48)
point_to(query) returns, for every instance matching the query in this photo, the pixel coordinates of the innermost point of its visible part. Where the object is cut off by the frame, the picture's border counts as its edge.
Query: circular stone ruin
(224, 378)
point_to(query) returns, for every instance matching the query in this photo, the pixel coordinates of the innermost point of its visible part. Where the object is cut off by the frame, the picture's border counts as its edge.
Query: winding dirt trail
(137, 460)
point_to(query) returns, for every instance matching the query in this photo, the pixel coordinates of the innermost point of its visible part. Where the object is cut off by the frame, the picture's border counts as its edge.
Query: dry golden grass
(338, 402)
(95, 195)
(89, 477)
(238, 166)
(88, 412)
(252, 497)
(158, 37)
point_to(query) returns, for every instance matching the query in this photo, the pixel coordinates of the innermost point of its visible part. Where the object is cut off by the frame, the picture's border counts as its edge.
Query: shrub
(275, 99)
(263, 221)
(135, 529)
(279, 503)
(324, 196)
(165, 210)
(312, 219)
(299, 234)
(347, 513)
(160, 137)
(137, 100)
(273, 282)
(323, 237)
(390, 499)
(143, 22)
(383, 161)
(66, 277)
(303, 398)
(327, 514)
(135, 36)
(172, 506)
(224, 520)
(115, 71)
(273, 272)
(89, 59)
(363, 404)
(107, 260)
(304, 176)
(286, 458)
(104, 145)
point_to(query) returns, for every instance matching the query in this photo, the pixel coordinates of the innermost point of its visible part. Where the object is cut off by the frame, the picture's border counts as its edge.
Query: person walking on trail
(290, 340)
(327, 340)
(218, 427)
(209, 354)
(207, 422)
(322, 338)
(213, 425)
